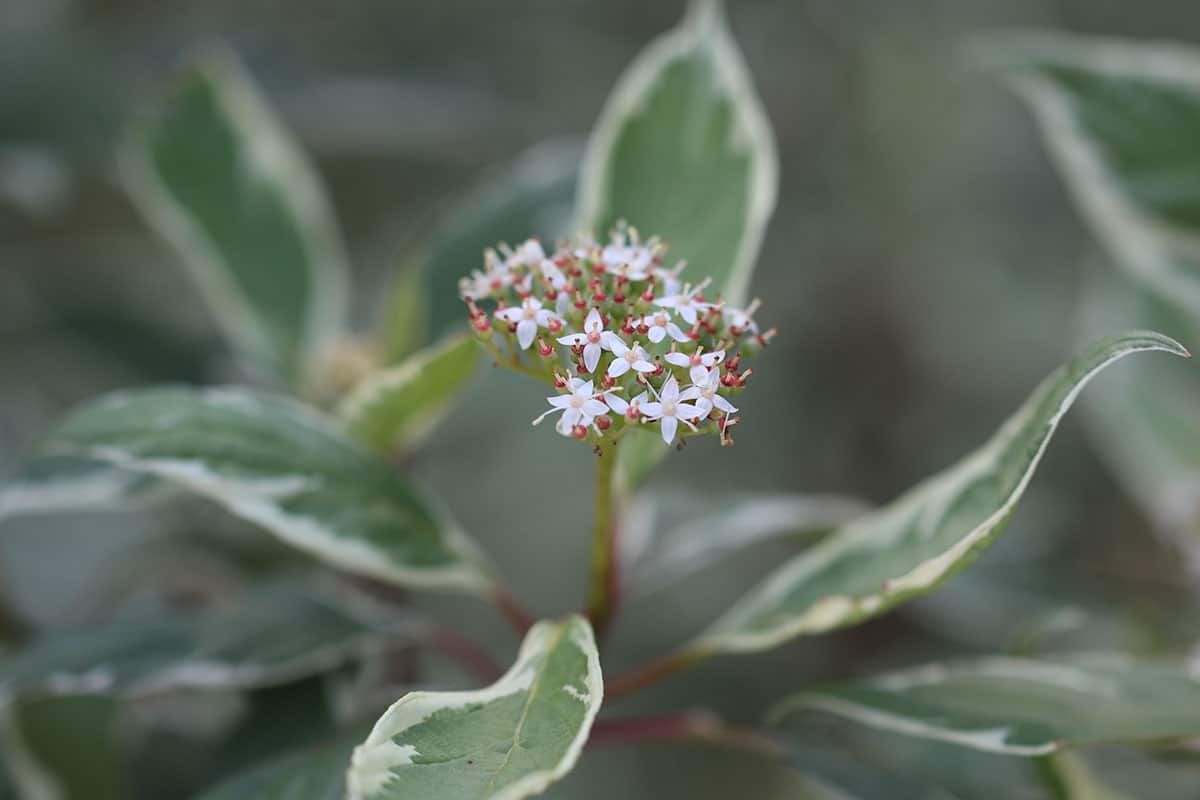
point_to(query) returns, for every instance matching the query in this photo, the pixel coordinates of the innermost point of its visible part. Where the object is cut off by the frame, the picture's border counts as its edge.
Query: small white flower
(685, 303)
(497, 277)
(553, 274)
(630, 261)
(670, 410)
(528, 316)
(627, 358)
(660, 325)
(632, 409)
(580, 405)
(529, 254)
(705, 392)
(698, 363)
(592, 339)
(742, 319)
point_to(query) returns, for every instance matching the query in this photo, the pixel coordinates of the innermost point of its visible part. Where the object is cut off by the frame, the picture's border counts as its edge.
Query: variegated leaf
(505, 742)
(912, 545)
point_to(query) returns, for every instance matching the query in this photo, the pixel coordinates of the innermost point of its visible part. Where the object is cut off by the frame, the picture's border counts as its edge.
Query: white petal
(593, 322)
(571, 417)
(668, 429)
(703, 406)
(572, 338)
(678, 359)
(562, 304)
(526, 330)
(688, 313)
(544, 315)
(670, 390)
(584, 388)
(511, 314)
(591, 356)
(644, 366)
(676, 334)
(712, 359)
(640, 399)
(690, 393)
(559, 400)
(667, 302)
(699, 375)
(594, 408)
(652, 410)
(687, 411)
(616, 403)
(723, 404)
(610, 341)
(618, 367)
(657, 333)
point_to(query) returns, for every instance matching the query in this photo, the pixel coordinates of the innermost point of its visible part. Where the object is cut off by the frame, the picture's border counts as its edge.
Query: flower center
(707, 392)
(630, 356)
(669, 409)
(594, 337)
(660, 320)
(529, 313)
(577, 401)
(696, 360)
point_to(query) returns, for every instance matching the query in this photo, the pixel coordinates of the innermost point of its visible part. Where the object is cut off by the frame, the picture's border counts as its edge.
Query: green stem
(604, 588)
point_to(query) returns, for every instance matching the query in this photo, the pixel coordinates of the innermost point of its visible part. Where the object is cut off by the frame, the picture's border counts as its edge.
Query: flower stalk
(604, 580)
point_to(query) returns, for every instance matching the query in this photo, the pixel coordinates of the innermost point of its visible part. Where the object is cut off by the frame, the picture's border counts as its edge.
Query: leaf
(59, 484)
(1150, 439)
(276, 635)
(667, 537)
(309, 774)
(1070, 778)
(1019, 707)
(1122, 121)
(507, 741)
(217, 176)
(280, 465)
(912, 545)
(684, 150)
(531, 197)
(65, 747)
(395, 409)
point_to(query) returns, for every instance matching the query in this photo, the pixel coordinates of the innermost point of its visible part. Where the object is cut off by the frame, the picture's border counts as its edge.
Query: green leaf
(669, 536)
(275, 635)
(317, 773)
(1019, 707)
(531, 197)
(219, 178)
(281, 465)
(1122, 121)
(507, 741)
(912, 545)
(1070, 778)
(684, 150)
(395, 409)
(61, 484)
(65, 747)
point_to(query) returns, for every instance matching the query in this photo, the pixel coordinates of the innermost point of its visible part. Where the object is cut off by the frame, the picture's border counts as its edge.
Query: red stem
(512, 610)
(640, 677)
(466, 653)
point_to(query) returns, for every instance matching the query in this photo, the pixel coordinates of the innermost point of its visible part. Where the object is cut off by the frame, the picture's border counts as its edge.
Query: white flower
(580, 405)
(704, 392)
(698, 362)
(660, 325)
(632, 409)
(592, 339)
(631, 261)
(484, 284)
(529, 254)
(671, 410)
(528, 317)
(553, 274)
(685, 303)
(627, 358)
(742, 319)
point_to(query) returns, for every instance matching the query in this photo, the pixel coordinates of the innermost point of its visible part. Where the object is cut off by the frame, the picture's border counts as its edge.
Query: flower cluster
(640, 346)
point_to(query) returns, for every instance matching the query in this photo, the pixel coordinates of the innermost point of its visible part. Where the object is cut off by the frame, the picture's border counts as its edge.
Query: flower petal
(591, 356)
(594, 408)
(678, 359)
(652, 410)
(657, 333)
(668, 429)
(572, 339)
(676, 334)
(688, 312)
(618, 367)
(526, 330)
(616, 403)
(593, 322)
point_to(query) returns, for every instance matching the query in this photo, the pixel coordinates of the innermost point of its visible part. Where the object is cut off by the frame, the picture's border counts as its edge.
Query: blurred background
(924, 267)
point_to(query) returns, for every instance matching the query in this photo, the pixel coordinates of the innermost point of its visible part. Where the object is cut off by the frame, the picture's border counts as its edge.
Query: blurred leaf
(684, 150)
(1150, 439)
(55, 484)
(274, 635)
(404, 318)
(219, 178)
(507, 741)
(667, 536)
(279, 719)
(911, 546)
(1019, 706)
(532, 197)
(280, 465)
(66, 748)
(317, 773)
(1122, 120)
(395, 409)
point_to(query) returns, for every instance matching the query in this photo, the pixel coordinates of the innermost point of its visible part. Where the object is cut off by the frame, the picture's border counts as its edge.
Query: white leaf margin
(372, 761)
(276, 159)
(704, 26)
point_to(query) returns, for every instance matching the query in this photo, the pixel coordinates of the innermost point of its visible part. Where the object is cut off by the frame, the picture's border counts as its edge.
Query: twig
(698, 725)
